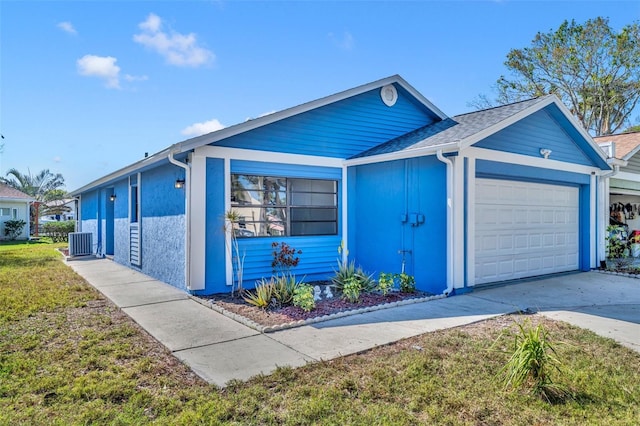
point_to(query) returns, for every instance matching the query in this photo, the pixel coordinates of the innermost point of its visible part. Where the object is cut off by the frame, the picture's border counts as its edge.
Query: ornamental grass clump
(262, 295)
(284, 288)
(533, 359)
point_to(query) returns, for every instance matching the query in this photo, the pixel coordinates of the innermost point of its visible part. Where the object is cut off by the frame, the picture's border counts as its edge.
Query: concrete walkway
(220, 349)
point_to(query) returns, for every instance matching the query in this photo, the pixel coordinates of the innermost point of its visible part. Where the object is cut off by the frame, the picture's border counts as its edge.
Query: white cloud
(57, 159)
(130, 77)
(344, 41)
(102, 67)
(197, 129)
(67, 27)
(177, 49)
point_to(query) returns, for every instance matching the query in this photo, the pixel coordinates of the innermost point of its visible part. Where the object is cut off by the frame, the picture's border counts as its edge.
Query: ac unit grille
(80, 243)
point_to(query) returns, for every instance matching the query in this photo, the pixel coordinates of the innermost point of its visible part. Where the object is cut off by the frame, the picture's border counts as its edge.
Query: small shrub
(303, 297)
(284, 289)
(531, 362)
(345, 271)
(284, 258)
(13, 228)
(351, 289)
(385, 283)
(58, 231)
(407, 283)
(262, 295)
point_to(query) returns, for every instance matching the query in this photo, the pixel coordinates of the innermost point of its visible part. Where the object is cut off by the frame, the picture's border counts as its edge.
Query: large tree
(44, 187)
(592, 68)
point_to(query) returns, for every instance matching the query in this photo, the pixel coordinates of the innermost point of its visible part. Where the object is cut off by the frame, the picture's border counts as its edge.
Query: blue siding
(89, 205)
(382, 194)
(285, 170)
(215, 272)
(162, 226)
(541, 130)
(341, 129)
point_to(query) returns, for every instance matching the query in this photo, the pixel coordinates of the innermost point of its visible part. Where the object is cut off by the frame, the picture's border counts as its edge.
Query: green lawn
(67, 356)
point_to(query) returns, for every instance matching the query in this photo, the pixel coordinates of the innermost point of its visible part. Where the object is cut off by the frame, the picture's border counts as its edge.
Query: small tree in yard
(13, 228)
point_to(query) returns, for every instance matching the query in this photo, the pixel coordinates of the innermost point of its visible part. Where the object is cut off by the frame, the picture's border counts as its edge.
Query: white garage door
(524, 229)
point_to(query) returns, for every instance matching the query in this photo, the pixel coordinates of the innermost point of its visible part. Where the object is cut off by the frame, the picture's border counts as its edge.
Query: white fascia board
(617, 162)
(633, 177)
(268, 156)
(525, 160)
(631, 153)
(404, 154)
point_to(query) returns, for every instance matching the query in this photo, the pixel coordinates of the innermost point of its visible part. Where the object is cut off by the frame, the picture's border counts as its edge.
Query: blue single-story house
(490, 196)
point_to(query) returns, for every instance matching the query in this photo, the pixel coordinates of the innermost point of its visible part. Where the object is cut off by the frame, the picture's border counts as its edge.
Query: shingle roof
(450, 130)
(7, 191)
(625, 142)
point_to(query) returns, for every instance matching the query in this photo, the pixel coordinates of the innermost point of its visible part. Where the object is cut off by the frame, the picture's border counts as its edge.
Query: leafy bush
(58, 231)
(616, 248)
(351, 289)
(407, 283)
(386, 282)
(262, 295)
(303, 297)
(531, 362)
(347, 271)
(13, 228)
(284, 258)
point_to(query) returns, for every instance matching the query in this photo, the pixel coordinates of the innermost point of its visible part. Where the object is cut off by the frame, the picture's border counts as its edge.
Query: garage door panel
(524, 229)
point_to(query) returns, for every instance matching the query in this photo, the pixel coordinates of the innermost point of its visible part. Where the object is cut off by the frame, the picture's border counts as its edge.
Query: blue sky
(88, 87)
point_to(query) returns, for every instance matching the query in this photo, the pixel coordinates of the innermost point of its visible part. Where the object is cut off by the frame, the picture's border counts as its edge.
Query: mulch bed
(288, 314)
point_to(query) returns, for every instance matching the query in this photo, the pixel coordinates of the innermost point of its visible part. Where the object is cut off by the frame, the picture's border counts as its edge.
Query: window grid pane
(278, 206)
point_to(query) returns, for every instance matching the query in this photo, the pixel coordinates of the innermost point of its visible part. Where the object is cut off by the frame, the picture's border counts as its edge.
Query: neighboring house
(62, 210)
(14, 205)
(622, 189)
(490, 196)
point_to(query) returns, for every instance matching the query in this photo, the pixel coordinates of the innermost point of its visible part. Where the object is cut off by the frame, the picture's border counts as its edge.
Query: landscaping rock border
(272, 328)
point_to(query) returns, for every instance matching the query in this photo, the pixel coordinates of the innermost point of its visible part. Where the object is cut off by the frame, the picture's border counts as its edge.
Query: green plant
(284, 288)
(13, 228)
(59, 231)
(351, 289)
(386, 282)
(616, 248)
(303, 297)
(232, 217)
(531, 362)
(262, 295)
(407, 283)
(284, 258)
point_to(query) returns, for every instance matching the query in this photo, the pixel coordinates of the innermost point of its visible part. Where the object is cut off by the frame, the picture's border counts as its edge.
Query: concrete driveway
(606, 304)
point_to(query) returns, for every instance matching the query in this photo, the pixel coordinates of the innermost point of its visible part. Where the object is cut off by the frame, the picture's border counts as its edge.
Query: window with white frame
(280, 206)
(5, 211)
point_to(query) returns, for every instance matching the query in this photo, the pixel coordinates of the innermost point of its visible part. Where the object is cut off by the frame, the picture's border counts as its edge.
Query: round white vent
(389, 95)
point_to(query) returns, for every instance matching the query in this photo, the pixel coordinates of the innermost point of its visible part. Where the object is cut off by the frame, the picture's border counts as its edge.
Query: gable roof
(464, 130)
(627, 144)
(9, 193)
(210, 138)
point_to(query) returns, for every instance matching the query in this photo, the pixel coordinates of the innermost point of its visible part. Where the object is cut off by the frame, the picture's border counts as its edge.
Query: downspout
(449, 164)
(187, 217)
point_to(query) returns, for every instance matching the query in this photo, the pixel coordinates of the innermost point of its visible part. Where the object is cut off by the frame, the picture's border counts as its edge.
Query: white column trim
(592, 221)
(471, 222)
(228, 259)
(458, 222)
(198, 221)
(344, 213)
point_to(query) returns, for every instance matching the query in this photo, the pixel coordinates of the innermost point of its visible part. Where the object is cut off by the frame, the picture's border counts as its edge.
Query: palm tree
(44, 187)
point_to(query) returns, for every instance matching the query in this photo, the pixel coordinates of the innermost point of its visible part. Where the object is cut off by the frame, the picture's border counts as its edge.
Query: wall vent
(80, 243)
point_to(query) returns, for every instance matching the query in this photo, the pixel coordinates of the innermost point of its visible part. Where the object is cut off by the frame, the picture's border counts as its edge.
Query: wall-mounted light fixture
(179, 183)
(112, 197)
(545, 152)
